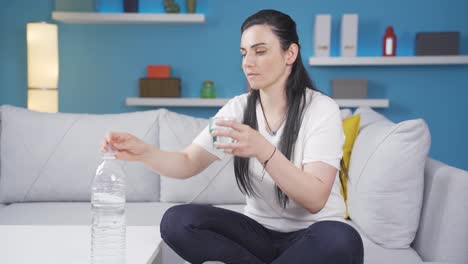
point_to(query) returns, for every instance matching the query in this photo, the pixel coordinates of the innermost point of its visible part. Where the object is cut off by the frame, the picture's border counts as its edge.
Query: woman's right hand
(127, 146)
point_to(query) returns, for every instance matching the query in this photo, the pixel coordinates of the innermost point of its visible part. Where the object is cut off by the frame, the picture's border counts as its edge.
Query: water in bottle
(108, 233)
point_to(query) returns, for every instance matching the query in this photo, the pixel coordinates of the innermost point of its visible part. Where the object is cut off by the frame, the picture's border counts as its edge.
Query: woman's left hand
(248, 142)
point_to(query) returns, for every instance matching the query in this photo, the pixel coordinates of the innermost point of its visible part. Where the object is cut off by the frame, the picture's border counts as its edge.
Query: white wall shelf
(127, 18)
(375, 103)
(388, 61)
(184, 102)
(218, 102)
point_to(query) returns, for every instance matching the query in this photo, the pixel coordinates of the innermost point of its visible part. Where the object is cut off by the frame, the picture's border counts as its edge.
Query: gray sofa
(48, 162)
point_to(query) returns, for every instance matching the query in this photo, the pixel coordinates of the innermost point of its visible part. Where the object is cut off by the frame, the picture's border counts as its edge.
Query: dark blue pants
(201, 233)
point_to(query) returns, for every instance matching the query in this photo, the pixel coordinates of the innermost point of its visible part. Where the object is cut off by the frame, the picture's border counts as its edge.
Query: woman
(287, 148)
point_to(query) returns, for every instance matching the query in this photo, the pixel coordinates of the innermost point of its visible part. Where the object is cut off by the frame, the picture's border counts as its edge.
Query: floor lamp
(43, 69)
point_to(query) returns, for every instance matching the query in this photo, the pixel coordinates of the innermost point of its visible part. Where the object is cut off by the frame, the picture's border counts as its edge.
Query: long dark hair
(298, 81)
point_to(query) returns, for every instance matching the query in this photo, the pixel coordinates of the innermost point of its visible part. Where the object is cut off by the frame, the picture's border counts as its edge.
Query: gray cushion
(80, 213)
(443, 231)
(151, 214)
(386, 180)
(53, 157)
(214, 185)
(368, 116)
(374, 253)
(76, 213)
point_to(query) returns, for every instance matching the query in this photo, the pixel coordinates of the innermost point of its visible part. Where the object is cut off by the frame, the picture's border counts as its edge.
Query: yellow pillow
(351, 130)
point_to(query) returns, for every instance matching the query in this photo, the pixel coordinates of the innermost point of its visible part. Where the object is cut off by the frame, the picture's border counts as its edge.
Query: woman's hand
(127, 146)
(248, 142)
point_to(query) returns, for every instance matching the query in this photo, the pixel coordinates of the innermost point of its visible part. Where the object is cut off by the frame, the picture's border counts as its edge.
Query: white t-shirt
(320, 138)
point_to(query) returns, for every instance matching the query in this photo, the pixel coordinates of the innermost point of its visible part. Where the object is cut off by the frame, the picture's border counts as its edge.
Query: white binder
(349, 35)
(322, 35)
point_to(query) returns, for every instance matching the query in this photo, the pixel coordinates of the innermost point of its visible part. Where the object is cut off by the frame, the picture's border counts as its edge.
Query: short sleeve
(324, 138)
(233, 108)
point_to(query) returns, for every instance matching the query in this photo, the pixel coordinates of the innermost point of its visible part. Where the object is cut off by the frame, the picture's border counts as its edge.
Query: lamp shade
(42, 42)
(43, 66)
(43, 100)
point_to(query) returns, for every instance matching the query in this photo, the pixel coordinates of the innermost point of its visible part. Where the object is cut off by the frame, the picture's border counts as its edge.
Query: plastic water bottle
(108, 233)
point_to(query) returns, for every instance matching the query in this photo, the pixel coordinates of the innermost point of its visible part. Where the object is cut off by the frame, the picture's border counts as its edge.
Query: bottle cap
(110, 153)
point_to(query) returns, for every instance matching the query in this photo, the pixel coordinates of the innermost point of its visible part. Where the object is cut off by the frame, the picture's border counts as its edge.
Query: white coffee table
(71, 244)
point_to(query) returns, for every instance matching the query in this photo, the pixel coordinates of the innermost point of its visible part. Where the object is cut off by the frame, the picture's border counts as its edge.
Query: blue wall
(100, 64)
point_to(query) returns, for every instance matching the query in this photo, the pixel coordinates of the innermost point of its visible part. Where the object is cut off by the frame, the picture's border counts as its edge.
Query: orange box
(159, 71)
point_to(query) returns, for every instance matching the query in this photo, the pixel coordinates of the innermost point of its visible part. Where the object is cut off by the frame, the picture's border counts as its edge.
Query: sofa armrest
(443, 228)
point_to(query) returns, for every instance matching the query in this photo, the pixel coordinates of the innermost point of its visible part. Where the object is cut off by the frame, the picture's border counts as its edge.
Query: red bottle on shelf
(389, 42)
